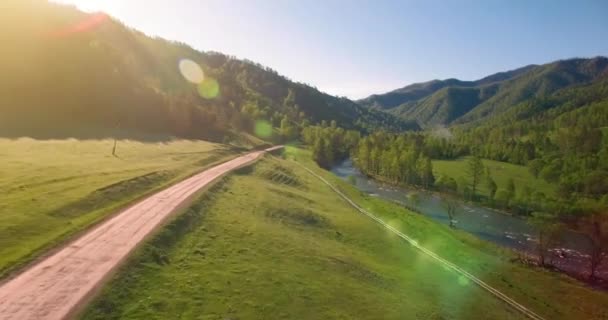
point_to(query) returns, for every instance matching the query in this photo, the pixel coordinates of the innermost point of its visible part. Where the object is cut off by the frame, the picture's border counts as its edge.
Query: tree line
(329, 144)
(405, 158)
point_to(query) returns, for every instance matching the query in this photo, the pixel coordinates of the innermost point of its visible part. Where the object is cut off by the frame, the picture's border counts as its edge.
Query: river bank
(569, 256)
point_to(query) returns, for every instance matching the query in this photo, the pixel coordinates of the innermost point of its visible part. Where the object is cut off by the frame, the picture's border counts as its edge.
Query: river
(491, 225)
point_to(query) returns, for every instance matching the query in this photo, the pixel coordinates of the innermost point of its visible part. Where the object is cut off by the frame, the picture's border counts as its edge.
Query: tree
(318, 152)
(463, 188)
(414, 199)
(510, 189)
(426, 173)
(451, 206)
(525, 196)
(447, 184)
(595, 227)
(474, 171)
(552, 171)
(548, 231)
(503, 197)
(491, 185)
(287, 130)
(535, 166)
(115, 141)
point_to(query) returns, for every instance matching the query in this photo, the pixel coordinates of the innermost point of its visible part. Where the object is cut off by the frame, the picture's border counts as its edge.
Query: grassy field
(500, 171)
(273, 242)
(53, 188)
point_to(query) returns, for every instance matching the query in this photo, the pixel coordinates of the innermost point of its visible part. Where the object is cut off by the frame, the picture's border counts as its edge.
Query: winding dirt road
(57, 286)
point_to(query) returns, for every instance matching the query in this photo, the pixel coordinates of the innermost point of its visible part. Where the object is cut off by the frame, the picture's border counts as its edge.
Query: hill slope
(455, 101)
(64, 69)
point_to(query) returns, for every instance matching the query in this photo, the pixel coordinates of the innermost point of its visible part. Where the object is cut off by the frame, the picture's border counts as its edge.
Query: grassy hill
(65, 70)
(272, 241)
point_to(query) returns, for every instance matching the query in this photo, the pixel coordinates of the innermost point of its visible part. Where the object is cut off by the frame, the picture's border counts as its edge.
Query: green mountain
(65, 71)
(454, 101)
(417, 91)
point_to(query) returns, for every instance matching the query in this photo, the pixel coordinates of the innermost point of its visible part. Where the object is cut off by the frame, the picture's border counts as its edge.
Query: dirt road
(57, 286)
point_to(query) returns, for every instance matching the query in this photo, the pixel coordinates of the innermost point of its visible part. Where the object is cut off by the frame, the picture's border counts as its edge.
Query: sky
(355, 48)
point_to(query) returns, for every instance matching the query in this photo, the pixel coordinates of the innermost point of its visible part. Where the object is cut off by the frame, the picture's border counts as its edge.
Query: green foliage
(446, 184)
(398, 158)
(535, 166)
(329, 145)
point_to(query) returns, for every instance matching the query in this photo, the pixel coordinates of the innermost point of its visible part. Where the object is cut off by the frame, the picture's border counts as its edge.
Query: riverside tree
(474, 171)
(548, 231)
(451, 206)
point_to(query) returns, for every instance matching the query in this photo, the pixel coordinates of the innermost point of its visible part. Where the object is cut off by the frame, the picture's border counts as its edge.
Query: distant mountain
(64, 70)
(418, 91)
(452, 101)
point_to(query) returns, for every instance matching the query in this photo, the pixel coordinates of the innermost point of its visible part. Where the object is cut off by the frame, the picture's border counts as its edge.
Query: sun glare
(191, 71)
(92, 5)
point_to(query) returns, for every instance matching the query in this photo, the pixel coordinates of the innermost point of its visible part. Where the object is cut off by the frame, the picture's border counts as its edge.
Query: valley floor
(272, 241)
(52, 189)
(501, 172)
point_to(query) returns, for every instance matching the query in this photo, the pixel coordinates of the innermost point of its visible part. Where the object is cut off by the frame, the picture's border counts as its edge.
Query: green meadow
(52, 189)
(273, 242)
(501, 172)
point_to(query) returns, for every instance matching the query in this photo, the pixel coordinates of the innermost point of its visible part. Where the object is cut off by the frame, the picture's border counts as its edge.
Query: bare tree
(548, 230)
(595, 227)
(451, 206)
(414, 199)
(114, 148)
(115, 140)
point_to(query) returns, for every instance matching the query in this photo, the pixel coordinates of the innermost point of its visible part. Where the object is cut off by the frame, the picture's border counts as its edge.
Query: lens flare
(463, 281)
(263, 129)
(90, 22)
(395, 223)
(209, 88)
(191, 71)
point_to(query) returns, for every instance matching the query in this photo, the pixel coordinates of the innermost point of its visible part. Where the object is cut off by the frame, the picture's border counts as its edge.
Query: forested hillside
(457, 102)
(561, 137)
(549, 122)
(68, 73)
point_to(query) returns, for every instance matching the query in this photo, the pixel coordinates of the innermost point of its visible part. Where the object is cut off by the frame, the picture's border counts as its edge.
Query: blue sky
(356, 48)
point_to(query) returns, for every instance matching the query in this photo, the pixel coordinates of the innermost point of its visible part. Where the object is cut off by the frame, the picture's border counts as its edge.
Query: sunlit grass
(501, 172)
(55, 187)
(266, 248)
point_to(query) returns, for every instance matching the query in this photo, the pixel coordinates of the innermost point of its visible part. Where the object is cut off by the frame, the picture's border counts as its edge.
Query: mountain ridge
(453, 101)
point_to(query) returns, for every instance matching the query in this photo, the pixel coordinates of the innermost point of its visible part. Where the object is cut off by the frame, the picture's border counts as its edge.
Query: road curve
(56, 286)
